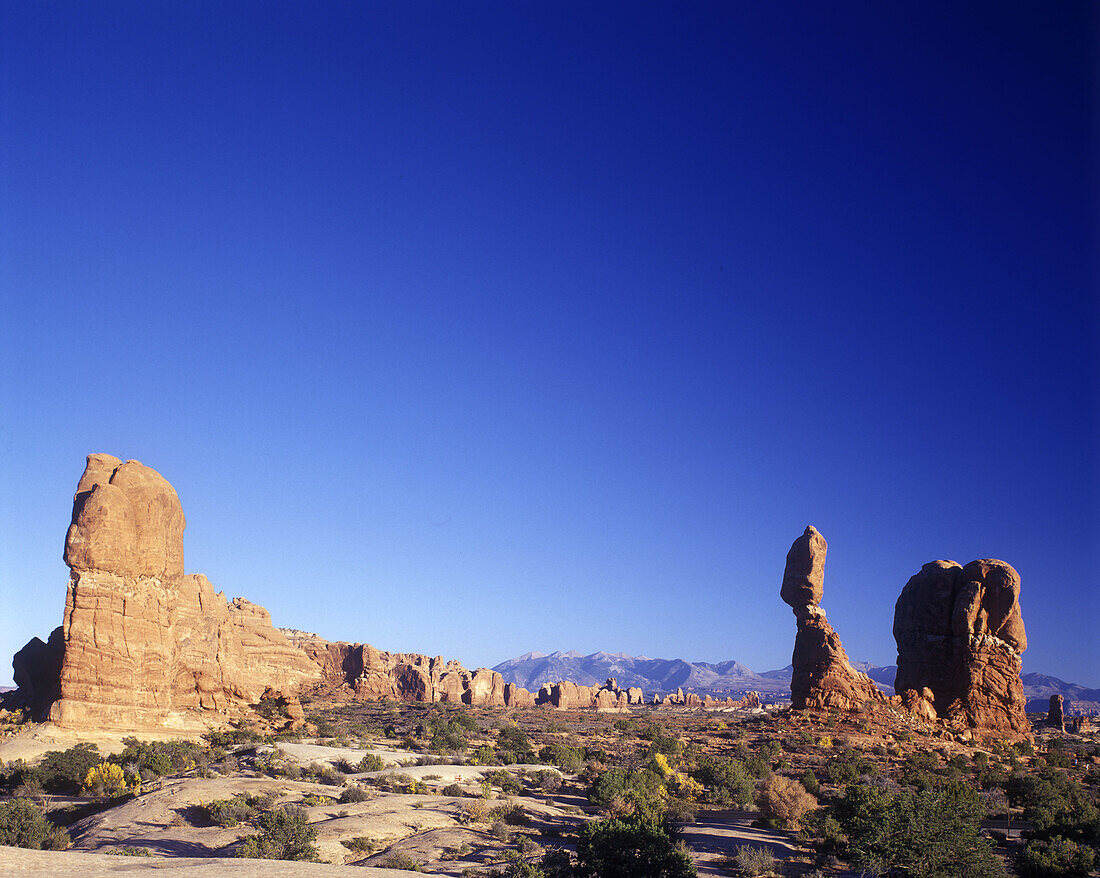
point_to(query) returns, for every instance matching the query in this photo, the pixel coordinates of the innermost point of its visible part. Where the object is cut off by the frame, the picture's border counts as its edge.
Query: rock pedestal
(822, 677)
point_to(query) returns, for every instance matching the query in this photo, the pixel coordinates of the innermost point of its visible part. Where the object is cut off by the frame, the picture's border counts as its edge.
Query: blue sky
(474, 329)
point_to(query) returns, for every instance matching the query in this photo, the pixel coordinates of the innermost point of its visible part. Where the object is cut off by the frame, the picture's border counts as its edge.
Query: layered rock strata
(960, 638)
(142, 642)
(368, 674)
(822, 677)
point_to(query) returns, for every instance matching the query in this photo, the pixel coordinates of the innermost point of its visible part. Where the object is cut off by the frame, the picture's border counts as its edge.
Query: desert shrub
(629, 849)
(24, 825)
(568, 759)
(621, 792)
(514, 746)
(230, 812)
(926, 834)
(1056, 857)
(285, 834)
(500, 831)
(63, 771)
(1023, 748)
(783, 801)
(660, 741)
(484, 755)
(511, 813)
(475, 811)
(371, 762)
(231, 738)
(323, 773)
(158, 758)
(353, 793)
(505, 780)
(1056, 805)
(361, 844)
(547, 780)
(770, 749)
(754, 860)
(724, 780)
(453, 789)
(129, 851)
(626, 725)
(105, 779)
(399, 860)
(810, 782)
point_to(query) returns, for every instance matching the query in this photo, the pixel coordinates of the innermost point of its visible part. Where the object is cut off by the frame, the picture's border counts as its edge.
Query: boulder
(804, 573)
(960, 635)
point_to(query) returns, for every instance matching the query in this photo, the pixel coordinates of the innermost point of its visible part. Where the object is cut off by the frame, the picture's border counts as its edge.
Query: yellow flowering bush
(105, 779)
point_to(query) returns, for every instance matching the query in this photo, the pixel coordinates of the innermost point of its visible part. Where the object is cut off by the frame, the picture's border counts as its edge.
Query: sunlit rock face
(822, 676)
(960, 639)
(143, 643)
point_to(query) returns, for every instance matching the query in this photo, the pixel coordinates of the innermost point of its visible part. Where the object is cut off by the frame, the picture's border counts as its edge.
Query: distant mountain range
(661, 676)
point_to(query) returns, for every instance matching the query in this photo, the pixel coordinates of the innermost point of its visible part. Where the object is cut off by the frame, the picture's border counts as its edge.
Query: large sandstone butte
(822, 676)
(960, 638)
(142, 643)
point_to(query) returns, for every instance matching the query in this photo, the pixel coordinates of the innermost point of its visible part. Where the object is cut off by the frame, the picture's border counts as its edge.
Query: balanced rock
(1056, 718)
(822, 676)
(960, 638)
(804, 573)
(143, 644)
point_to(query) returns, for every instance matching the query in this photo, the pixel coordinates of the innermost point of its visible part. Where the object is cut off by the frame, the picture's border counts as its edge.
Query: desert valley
(163, 727)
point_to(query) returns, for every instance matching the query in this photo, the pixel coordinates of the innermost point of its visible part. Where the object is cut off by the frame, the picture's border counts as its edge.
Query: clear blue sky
(478, 328)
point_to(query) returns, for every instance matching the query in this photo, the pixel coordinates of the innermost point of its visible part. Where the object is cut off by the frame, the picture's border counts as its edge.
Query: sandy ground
(66, 864)
(717, 835)
(34, 741)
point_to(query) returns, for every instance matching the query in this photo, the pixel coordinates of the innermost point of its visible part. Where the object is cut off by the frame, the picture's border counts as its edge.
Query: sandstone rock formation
(143, 643)
(368, 674)
(1055, 717)
(37, 674)
(823, 676)
(960, 638)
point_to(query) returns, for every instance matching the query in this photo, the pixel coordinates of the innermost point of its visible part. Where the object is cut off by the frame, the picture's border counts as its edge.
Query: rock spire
(823, 677)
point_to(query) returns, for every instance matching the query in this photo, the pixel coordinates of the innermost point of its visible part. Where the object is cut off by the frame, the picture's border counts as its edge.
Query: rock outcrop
(364, 673)
(143, 644)
(823, 677)
(960, 638)
(1056, 718)
(37, 674)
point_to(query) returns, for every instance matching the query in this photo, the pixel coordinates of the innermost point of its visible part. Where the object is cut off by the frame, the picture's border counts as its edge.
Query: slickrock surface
(65, 864)
(143, 643)
(960, 638)
(823, 677)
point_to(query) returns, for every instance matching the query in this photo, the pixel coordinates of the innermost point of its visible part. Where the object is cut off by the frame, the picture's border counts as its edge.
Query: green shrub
(926, 834)
(568, 759)
(547, 780)
(371, 762)
(353, 793)
(635, 793)
(811, 783)
(398, 860)
(361, 844)
(230, 812)
(453, 789)
(629, 849)
(1058, 856)
(63, 771)
(505, 780)
(149, 759)
(24, 825)
(285, 834)
(725, 781)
